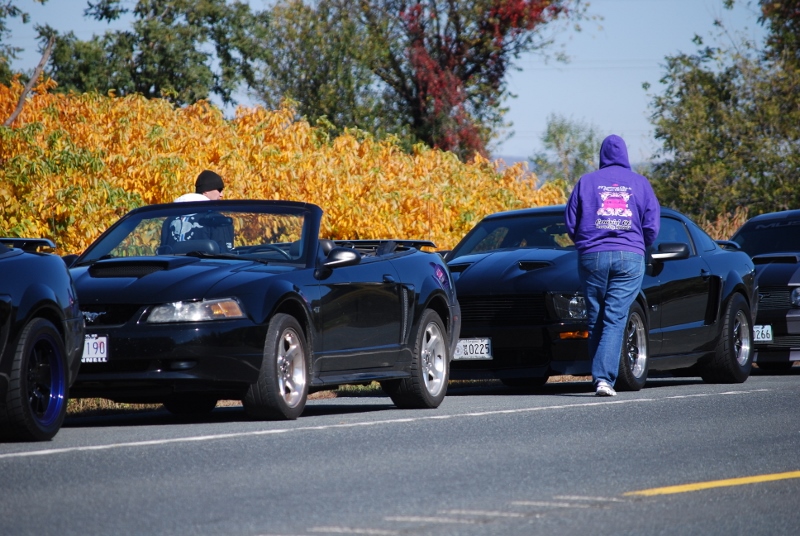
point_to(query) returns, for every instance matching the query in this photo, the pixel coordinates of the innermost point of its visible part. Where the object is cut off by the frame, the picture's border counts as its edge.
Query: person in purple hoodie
(612, 216)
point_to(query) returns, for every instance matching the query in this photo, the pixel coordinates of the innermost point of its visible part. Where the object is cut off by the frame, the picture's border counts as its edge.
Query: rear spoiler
(375, 244)
(28, 244)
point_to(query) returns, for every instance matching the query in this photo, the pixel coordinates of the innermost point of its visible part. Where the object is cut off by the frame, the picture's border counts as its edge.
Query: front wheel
(281, 391)
(36, 403)
(634, 360)
(430, 368)
(733, 358)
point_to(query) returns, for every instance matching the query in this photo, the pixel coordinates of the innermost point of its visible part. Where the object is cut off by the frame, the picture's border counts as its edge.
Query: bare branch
(36, 74)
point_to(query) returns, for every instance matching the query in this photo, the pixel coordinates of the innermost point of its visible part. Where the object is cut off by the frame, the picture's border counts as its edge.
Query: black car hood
(148, 280)
(516, 271)
(777, 269)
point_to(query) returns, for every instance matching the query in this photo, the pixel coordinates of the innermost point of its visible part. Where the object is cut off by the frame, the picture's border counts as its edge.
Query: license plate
(473, 349)
(762, 333)
(95, 349)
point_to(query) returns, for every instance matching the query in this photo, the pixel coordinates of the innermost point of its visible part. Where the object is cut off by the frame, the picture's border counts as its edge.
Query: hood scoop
(784, 258)
(135, 268)
(458, 268)
(533, 265)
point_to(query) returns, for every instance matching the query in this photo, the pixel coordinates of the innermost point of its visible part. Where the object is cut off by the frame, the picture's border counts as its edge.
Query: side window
(673, 230)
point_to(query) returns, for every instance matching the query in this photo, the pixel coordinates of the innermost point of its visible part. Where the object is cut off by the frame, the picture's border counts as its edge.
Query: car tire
(530, 383)
(430, 368)
(733, 358)
(281, 391)
(634, 361)
(36, 403)
(190, 405)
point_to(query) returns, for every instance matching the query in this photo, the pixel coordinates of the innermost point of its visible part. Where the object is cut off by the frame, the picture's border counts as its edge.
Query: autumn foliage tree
(71, 164)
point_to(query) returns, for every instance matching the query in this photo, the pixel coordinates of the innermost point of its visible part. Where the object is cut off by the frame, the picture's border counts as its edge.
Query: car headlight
(795, 297)
(197, 311)
(569, 306)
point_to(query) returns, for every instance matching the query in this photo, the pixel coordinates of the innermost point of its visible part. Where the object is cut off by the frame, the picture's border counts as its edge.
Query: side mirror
(339, 257)
(670, 251)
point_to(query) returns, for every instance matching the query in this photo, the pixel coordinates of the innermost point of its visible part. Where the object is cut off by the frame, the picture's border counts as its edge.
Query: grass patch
(86, 407)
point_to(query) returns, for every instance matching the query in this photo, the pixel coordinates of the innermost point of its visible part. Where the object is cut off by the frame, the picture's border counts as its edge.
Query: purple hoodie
(613, 208)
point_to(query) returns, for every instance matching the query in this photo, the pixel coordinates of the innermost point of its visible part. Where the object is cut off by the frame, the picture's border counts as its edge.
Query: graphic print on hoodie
(613, 208)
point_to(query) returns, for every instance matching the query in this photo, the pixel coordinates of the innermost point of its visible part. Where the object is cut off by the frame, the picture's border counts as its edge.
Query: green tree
(181, 50)
(729, 122)
(315, 57)
(438, 67)
(571, 149)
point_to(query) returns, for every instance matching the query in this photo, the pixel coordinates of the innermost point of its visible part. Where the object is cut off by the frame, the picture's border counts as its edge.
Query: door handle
(705, 274)
(388, 278)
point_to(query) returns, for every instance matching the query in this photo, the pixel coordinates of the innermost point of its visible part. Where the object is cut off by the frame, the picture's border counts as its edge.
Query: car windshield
(777, 236)
(266, 234)
(520, 231)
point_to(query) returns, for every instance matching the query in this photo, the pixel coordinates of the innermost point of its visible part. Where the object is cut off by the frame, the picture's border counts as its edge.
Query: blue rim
(46, 381)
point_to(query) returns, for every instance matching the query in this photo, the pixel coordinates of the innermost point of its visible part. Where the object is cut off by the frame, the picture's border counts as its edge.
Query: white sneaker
(604, 389)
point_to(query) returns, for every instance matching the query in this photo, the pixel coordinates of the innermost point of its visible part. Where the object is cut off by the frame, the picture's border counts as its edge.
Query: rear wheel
(634, 360)
(430, 368)
(733, 357)
(281, 391)
(36, 403)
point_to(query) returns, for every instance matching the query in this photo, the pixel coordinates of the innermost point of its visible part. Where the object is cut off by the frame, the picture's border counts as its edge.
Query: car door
(361, 316)
(678, 295)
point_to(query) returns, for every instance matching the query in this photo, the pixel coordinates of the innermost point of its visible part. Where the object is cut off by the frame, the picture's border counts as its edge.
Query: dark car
(523, 314)
(264, 313)
(41, 338)
(773, 241)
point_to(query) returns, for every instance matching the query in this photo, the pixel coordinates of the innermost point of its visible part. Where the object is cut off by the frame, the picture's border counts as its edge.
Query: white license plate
(762, 333)
(473, 349)
(95, 349)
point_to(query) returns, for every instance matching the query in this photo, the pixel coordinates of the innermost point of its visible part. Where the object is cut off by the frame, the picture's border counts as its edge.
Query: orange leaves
(72, 164)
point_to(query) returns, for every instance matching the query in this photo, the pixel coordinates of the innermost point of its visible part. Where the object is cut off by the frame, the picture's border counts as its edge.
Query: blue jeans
(611, 280)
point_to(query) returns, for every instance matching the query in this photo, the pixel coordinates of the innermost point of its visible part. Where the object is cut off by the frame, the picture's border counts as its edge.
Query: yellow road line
(715, 484)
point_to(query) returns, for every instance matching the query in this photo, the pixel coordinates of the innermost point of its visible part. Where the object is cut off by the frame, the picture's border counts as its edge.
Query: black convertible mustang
(523, 315)
(41, 337)
(773, 240)
(190, 303)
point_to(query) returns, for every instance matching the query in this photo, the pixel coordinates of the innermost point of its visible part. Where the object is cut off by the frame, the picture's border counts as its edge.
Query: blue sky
(601, 86)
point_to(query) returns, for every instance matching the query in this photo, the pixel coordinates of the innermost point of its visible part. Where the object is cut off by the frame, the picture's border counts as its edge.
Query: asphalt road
(489, 461)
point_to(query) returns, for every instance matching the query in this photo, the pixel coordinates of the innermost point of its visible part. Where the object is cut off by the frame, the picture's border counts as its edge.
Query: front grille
(786, 341)
(774, 298)
(108, 315)
(503, 310)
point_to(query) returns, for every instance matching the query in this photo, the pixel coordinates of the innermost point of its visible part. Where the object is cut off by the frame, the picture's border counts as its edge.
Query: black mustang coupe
(41, 337)
(523, 314)
(190, 303)
(773, 240)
